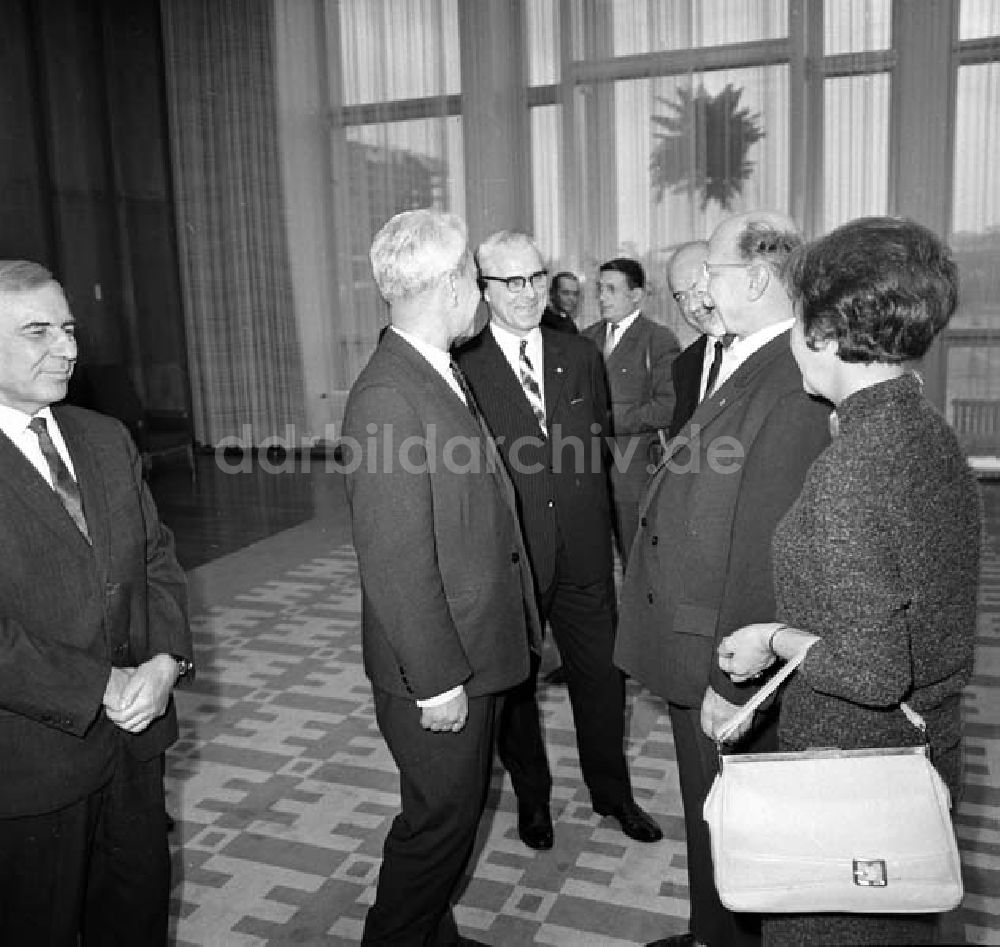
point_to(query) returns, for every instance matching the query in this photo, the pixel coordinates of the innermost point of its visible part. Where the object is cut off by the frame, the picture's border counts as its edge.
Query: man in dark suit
(448, 606)
(93, 637)
(638, 356)
(544, 396)
(692, 369)
(701, 564)
(564, 299)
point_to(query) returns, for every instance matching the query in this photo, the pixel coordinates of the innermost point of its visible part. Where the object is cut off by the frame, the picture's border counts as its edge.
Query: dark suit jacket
(640, 385)
(556, 320)
(687, 369)
(69, 611)
(701, 563)
(561, 484)
(447, 596)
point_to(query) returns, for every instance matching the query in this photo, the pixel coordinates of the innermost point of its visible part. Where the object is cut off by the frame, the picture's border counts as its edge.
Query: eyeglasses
(709, 267)
(515, 284)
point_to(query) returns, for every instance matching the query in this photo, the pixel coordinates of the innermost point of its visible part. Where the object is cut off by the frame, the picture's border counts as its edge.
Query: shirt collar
(742, 349)
(14, 422)
(625, 324)
(510, 343)
(440, 360)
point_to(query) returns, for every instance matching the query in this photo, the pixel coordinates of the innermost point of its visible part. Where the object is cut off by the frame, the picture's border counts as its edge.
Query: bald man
(692, 369)
(701, 563)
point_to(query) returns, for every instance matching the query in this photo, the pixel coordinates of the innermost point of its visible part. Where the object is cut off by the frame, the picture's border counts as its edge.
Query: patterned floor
(284, 790)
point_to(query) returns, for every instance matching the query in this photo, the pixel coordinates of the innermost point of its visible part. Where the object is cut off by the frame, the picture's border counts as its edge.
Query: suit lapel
(734, 386)
(91, 482)
(39, 499)
(711, 408)
(629, 343)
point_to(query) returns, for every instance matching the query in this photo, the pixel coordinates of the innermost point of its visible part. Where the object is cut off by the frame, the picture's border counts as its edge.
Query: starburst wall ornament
(704, 144)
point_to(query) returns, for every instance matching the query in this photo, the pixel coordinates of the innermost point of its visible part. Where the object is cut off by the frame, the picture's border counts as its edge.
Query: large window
(662, 118)
(973, 353)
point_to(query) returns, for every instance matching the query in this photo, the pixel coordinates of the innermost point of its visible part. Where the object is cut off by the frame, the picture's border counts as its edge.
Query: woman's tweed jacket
(879, 556)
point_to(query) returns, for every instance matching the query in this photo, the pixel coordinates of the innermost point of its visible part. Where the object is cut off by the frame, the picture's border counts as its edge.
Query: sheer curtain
(656, 119)
(243, 348)
(371, 124)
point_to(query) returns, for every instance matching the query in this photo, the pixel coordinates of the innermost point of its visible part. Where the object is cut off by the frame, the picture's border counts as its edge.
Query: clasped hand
(745, 653)
(135, 697)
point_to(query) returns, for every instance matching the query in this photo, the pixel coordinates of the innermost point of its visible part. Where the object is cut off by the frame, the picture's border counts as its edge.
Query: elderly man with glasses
(701, 564)
(696, 370)
(544, 396)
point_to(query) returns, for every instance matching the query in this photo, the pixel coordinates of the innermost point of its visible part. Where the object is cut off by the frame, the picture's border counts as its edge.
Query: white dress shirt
(14, 424)
(510, 345)
(621, 327)
(742, 349)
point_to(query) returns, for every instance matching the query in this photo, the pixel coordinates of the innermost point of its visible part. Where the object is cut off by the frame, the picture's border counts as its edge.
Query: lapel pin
(558, 369)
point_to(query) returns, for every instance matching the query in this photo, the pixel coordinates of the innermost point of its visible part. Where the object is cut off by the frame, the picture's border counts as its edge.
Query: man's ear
(759, 277)
(638, 294)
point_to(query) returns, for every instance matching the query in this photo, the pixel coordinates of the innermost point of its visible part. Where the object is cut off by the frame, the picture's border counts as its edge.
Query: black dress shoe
(677, 940)
(556, 676)
(534, 826)
(634, 822)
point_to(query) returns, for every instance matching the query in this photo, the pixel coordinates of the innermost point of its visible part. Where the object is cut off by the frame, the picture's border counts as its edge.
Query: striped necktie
(65, 486)
(530, 385)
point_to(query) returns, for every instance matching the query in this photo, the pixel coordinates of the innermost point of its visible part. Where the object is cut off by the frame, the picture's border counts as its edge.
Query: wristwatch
(184, 667)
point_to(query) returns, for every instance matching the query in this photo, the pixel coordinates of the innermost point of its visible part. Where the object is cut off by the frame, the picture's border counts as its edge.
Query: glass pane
(545, 179)
(399, 166)
(856, 148)
(979, 18)
(542, 24)
(692, 150)
(671, 157)
(399, 49)
(854, 26)
(973, 339)
(645, 26)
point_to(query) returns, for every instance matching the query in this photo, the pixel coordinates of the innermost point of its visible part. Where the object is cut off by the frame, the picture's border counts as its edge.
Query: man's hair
(686, 250)
(882, 287)
(415, 250)
(763, 241)
(17, 276)
(635, 275)
(488, 250)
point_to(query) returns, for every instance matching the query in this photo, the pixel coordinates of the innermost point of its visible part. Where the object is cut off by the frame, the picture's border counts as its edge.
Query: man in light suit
(448, 608)
(638, 357)
(93, 637)
(701, 563)
(544, 397)
(692, 369)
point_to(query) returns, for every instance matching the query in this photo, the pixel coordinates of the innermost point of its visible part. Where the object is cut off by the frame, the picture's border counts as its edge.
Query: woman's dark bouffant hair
(883, 288)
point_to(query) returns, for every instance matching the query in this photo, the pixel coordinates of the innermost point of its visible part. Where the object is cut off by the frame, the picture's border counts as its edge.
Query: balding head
(684, 276)
(746, 261)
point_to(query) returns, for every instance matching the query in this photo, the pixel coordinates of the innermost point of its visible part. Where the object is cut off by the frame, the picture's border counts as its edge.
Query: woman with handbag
(876, 564)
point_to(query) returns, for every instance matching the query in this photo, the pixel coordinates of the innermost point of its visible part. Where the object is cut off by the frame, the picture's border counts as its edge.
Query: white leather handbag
(860, 831)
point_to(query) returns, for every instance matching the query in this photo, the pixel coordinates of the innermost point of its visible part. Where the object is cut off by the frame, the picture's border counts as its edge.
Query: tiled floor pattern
(284, 791)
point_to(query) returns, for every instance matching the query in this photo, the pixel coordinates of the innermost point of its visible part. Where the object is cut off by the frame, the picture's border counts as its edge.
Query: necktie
(610, 340)
(530, 385)
(470, 399)
(721, 345)
(65, 486)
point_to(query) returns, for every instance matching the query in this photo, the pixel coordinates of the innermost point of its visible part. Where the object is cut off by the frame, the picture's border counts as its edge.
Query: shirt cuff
(441, 698)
